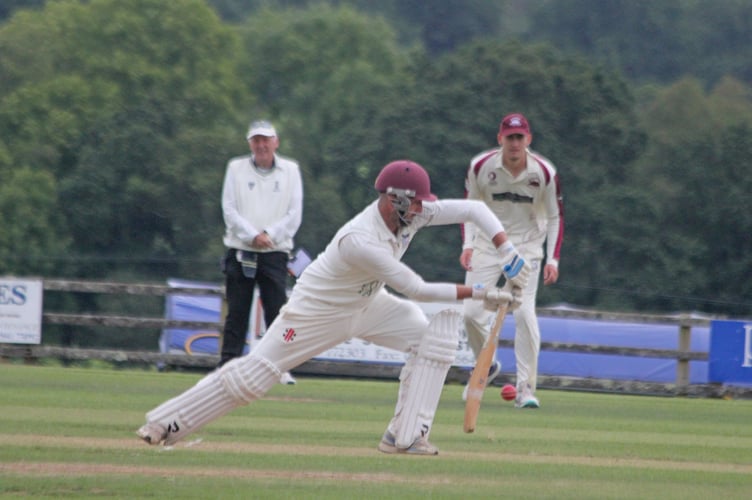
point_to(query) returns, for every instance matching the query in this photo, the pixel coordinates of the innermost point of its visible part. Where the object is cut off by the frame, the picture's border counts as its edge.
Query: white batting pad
(250, 378)
(422, 379)
(237, 383)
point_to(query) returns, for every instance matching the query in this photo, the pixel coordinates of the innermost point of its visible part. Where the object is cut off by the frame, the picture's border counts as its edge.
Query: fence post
(682, 364)
(222, 319)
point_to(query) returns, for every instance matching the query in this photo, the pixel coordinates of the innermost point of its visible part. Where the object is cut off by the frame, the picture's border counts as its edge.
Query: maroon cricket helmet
(408, 176)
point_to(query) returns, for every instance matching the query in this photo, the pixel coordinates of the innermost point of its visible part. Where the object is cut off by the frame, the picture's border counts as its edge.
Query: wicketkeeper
(342, 295)
(522, 189)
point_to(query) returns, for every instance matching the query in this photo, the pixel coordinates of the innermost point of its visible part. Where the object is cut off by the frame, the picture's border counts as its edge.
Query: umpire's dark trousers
(271, 278)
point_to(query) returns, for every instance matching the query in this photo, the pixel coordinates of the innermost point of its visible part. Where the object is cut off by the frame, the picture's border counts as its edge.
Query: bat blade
(477, 382)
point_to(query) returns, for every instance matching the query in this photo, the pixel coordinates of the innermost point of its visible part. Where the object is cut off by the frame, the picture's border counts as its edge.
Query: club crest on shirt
(491, 178)
(367, 289)
(251, 185)
(289, 335)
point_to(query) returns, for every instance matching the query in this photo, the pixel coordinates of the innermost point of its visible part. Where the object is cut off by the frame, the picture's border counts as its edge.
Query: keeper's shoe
(152, 433)
(493, 372)
(525, 399)
(287, 379)
(420, 446)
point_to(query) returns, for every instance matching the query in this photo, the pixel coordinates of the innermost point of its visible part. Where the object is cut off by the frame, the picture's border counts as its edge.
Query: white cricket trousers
(306, 328)
(478, 321)
(303, 329)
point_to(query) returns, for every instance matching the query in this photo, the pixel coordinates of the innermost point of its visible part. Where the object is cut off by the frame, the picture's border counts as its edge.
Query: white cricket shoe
(525, 399)
(420, 446)
(152, 433)
(287, 379)
(493, 372)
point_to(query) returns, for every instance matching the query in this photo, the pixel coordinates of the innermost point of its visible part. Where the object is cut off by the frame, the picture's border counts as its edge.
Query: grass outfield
(69, 432)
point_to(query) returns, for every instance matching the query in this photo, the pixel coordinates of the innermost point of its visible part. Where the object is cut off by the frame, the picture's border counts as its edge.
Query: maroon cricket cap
(515, 123)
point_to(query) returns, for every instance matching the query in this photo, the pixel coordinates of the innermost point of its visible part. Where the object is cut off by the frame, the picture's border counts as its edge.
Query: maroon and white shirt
(529, 205)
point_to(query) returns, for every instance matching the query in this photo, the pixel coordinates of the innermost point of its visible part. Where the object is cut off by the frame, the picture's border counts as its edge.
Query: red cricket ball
(508, 392)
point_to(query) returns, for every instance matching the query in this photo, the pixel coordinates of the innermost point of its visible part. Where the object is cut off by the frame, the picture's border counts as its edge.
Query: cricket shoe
(525, 399)
(420, 446)
(287, 379)
(493, 372)
(152, 433)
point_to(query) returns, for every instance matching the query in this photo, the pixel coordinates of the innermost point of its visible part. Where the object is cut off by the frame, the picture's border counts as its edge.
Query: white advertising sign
(20, 311)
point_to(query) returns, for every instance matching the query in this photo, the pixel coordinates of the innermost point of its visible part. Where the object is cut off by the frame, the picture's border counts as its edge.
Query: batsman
(342, 295)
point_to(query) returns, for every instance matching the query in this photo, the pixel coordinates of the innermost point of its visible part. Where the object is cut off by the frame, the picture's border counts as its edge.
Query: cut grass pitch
(69, 432)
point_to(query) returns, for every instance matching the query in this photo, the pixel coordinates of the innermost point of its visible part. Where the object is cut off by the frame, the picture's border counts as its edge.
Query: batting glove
(516, 293)
(513, 266)
(494, 297)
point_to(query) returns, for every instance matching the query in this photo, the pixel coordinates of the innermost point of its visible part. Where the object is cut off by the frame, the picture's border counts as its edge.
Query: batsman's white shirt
(341, 295)
(365, 255)
(256, 200)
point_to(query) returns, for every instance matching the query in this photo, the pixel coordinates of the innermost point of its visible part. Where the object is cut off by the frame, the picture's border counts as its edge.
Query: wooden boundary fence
(683, 355)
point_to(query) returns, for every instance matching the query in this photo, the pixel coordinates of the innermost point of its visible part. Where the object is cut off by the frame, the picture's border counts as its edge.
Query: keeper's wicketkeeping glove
(513, 266)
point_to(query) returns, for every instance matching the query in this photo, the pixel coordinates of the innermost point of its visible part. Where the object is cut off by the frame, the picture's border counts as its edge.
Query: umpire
(262, 206)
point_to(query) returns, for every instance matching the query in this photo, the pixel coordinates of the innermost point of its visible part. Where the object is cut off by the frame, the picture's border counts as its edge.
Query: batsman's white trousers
(306, 328)
(303, 329)
(487, 270)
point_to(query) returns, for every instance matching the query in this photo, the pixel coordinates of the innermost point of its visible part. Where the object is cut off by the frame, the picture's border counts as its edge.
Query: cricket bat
(477, 383)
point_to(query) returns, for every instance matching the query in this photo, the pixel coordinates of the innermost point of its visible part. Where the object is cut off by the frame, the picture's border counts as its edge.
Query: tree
(697, 147)
(8, 7)
(118, 104)
(326, 76)
(704, 38)
(729, 227)
(31, 238)
(582, 117)
(442, 26)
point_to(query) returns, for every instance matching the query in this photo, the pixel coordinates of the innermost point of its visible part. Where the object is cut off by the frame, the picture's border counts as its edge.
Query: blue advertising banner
(730, 355)
(562, 330)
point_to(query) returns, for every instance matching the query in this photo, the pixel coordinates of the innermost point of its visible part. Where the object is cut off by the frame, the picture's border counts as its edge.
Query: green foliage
(440, 28)
(46, 118)
(327, 76)
(698, 146)
(31, 234)
(8, 7)
(582, 118)
(652, 41)
(117, 119)
(126, 105)
(445, 25)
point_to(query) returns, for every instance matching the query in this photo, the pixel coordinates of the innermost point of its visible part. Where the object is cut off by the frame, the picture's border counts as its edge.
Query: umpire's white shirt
(256, 200)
